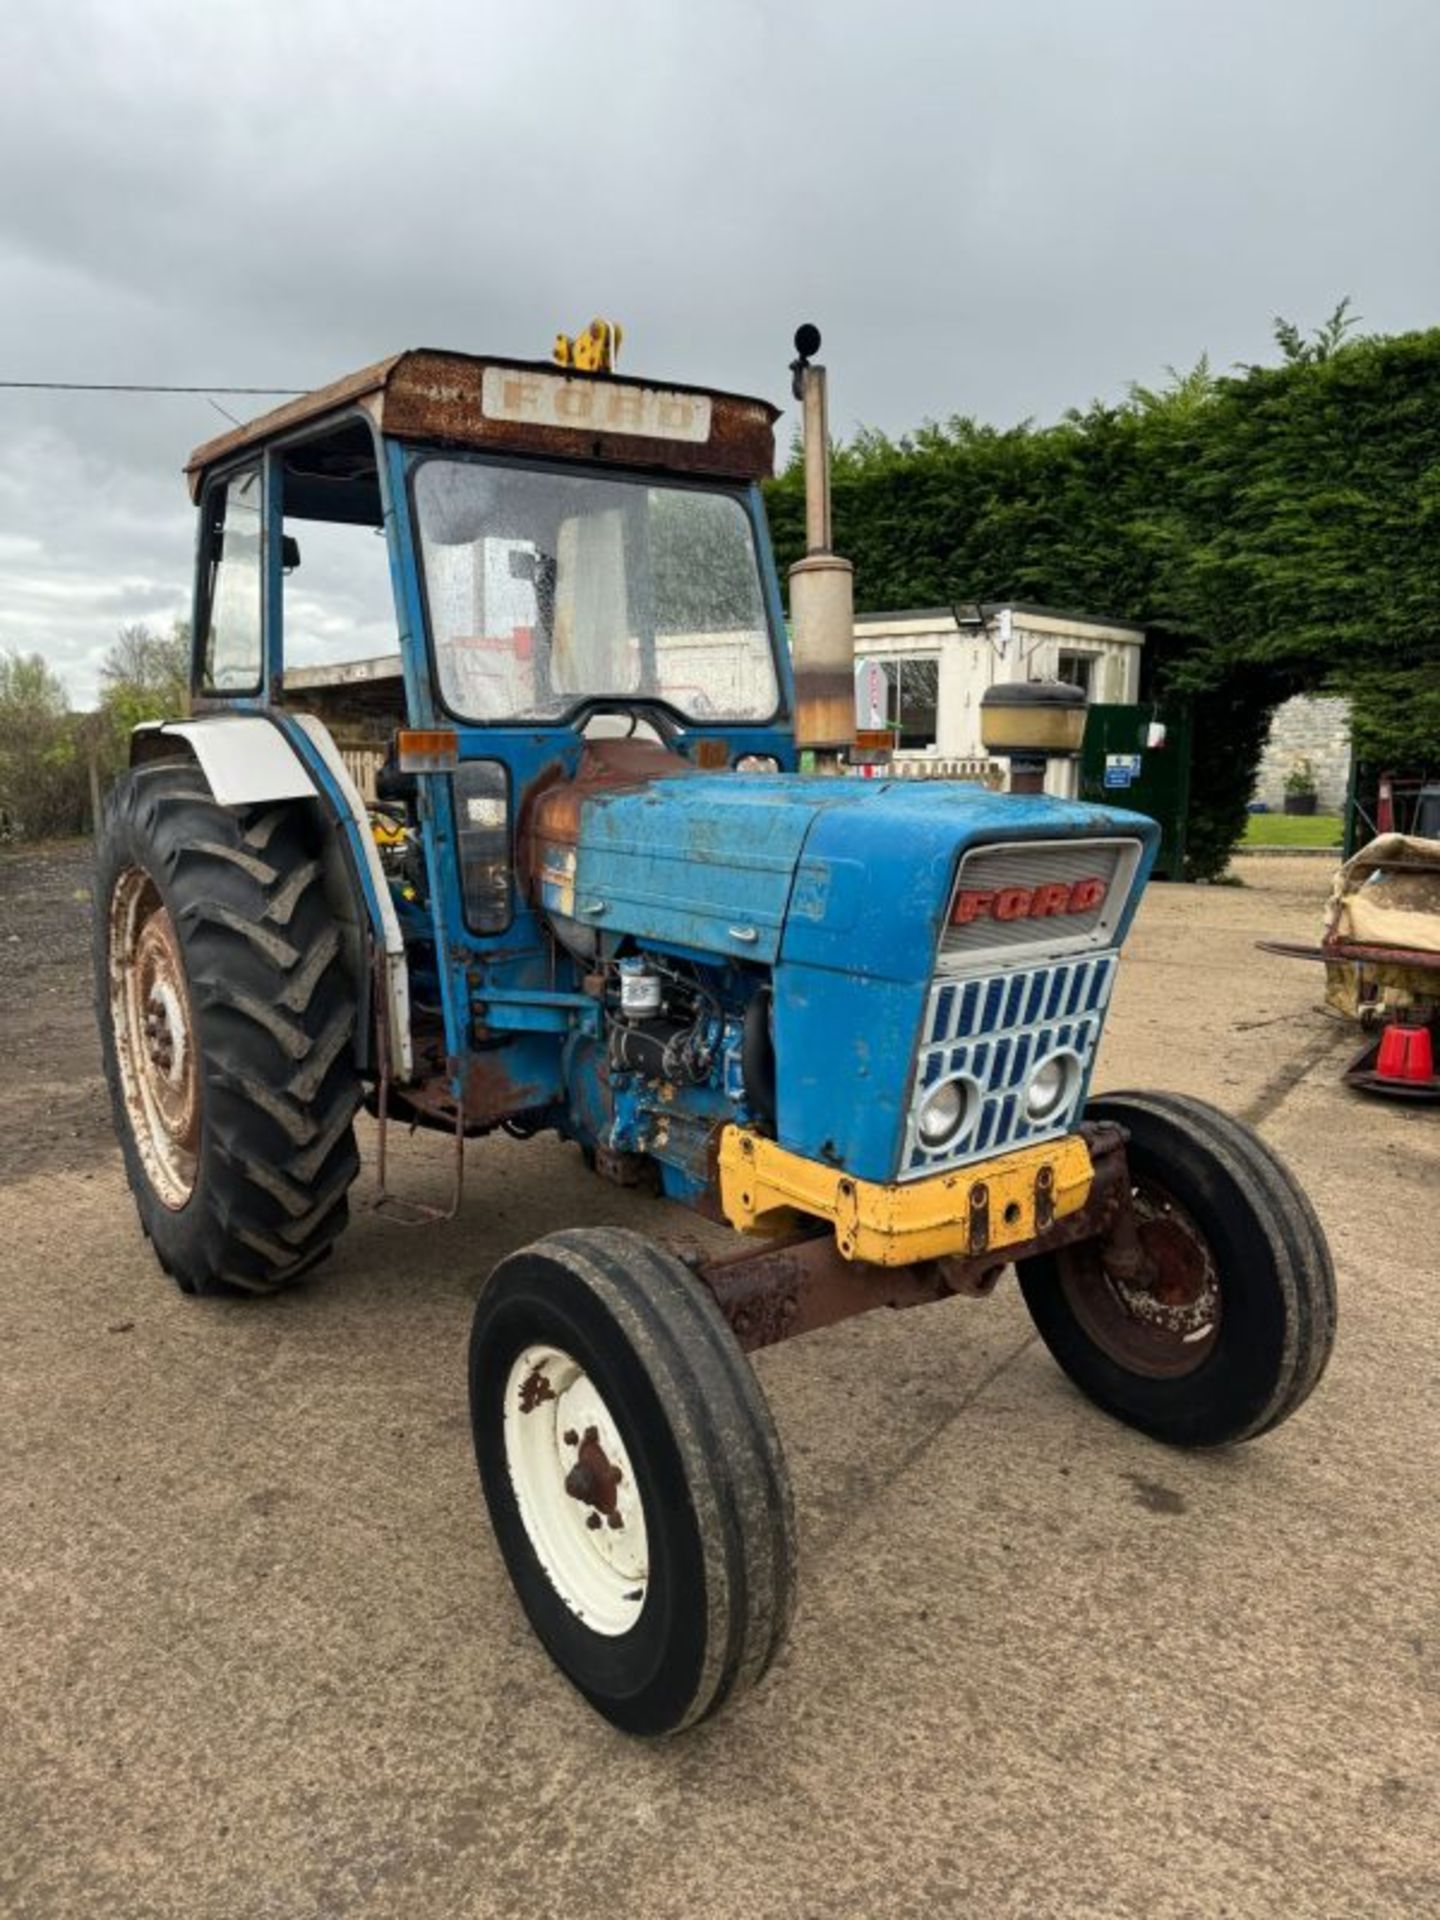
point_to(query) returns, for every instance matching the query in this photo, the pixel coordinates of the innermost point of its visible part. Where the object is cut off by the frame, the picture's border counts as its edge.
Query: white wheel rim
(576, 1489)
(154, 1044)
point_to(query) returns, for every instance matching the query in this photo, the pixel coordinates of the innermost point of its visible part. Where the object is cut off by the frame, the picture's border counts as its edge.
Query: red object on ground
(1405, 1054)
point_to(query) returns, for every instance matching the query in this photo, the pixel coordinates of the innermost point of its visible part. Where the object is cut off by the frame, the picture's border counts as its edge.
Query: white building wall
(1017, 645)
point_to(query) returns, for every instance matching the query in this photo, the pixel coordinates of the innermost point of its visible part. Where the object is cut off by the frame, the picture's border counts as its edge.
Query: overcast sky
(995, 207)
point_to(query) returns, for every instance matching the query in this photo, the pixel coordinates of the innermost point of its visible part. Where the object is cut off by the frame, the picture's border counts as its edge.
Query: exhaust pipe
(822, 587)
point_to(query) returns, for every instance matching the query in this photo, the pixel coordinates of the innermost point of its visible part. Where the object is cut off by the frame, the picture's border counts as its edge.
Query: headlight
(1051, 1086)
(946, 1112)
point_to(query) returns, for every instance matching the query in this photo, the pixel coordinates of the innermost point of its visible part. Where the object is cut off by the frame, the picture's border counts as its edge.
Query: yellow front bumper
(977, 1209)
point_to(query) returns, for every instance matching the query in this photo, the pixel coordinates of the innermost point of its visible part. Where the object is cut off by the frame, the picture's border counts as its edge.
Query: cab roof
(524, 406)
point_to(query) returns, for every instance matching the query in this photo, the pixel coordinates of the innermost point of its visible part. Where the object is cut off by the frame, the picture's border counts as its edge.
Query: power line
(104, 386)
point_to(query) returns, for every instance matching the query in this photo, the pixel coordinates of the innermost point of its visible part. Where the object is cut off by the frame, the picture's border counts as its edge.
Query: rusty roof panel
(515, 406)
(339, 395)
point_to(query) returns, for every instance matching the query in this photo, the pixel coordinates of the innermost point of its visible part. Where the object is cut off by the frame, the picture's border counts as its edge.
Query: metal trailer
(855, 1019)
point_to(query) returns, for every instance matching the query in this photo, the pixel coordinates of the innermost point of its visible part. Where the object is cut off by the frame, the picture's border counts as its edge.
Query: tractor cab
(558, 546)
(568, 558)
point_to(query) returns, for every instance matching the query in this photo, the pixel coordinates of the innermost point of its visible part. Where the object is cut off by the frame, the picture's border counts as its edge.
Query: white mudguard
(246, 760)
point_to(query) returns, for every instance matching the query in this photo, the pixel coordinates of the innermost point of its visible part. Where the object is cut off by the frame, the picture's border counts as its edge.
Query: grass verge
(1292, 830)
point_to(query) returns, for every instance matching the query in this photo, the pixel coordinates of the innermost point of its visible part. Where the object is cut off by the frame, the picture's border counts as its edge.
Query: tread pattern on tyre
(723, 1426)
(1278, 1206)
(273, 1013)
(711, 1387)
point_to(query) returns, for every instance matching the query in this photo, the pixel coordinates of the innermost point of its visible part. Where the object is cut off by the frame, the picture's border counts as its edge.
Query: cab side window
(233, 631)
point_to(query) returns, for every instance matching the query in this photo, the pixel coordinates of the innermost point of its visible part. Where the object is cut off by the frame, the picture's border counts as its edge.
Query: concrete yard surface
(260, 1657)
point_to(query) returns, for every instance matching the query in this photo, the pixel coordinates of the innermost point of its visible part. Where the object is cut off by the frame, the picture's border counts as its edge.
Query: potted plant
(1300, 790)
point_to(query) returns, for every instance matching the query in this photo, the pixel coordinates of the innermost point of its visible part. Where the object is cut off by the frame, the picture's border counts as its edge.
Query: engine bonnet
(846, 874)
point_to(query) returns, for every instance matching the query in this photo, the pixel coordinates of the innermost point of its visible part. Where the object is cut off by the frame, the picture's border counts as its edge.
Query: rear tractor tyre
(1230, 1330)
(633, 1477)
(226, 1020)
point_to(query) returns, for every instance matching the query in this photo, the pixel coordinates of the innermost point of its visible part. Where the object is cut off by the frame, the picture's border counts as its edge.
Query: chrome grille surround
(1038, 863)
(995, 1029)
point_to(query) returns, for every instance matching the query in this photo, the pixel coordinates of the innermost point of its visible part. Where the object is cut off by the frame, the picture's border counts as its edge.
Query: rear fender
(250, 758)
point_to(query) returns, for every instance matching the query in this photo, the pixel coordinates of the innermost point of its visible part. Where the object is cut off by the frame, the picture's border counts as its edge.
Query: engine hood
(844, 874)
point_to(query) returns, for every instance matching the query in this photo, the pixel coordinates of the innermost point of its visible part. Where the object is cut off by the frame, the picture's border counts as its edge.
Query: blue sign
(1121, 769)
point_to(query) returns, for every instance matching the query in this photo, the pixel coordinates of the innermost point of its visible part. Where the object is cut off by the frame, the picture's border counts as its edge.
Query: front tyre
(633, 1477)
(1231, 1327)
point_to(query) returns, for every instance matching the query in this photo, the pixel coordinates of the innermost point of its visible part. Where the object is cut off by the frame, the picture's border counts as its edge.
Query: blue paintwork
(703, 861)
(472, 967)
(845, 884)
(860, 945)
(831, 891)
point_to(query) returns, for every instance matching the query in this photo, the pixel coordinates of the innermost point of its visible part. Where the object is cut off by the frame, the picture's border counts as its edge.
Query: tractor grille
(991, 1032)
(1029, 866)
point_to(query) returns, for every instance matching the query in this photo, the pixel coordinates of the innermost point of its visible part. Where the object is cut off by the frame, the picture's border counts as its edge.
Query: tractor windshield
(546, 589)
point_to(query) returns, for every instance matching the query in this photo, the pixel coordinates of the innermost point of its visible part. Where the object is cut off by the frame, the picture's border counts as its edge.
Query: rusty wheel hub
(1163, 1321)
(154, 1037)
(594, 1480)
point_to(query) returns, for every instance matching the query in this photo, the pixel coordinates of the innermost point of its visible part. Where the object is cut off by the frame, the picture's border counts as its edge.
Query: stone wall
(1311, 727)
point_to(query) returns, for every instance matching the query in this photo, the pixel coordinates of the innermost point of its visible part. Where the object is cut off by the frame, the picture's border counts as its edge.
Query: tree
(42, 768)
(146, 675)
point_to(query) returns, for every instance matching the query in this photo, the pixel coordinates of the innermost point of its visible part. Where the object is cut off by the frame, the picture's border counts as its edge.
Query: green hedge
(1280, 527)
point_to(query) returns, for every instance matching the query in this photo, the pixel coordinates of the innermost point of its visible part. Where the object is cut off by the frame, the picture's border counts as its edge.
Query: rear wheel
(633, 1477)
(225, 1019)
(1233, 1322)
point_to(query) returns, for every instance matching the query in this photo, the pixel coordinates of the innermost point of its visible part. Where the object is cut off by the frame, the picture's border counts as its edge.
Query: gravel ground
(261, 1658)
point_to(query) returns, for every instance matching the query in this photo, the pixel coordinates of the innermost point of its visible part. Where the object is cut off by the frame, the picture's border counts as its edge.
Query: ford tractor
(626, 889)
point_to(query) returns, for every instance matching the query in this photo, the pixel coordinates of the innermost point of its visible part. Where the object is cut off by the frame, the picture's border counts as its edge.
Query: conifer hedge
(1277, 528)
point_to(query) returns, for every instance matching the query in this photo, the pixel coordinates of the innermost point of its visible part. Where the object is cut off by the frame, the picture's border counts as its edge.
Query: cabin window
(549, 590)
(233, 628)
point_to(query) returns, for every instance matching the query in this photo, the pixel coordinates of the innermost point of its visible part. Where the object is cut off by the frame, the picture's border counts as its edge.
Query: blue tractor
(610, 880)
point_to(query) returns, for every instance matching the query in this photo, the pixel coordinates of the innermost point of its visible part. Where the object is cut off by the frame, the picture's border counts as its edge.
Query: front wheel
(1229, 1329)
(633, 1476)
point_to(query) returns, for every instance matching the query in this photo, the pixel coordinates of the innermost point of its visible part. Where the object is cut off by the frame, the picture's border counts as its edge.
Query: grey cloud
(1003, 207)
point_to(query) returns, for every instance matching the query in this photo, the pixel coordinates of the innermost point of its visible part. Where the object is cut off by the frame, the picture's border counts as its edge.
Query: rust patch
(155, 1045)
(979, 1217)
(1147, 1291)
(594, 1480)
(1044, 1197)
(492, 1093)
(797, 1285)
(550, 822)
(824, 705)
(433, 396)
(535, 1390)
(804, 1284)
